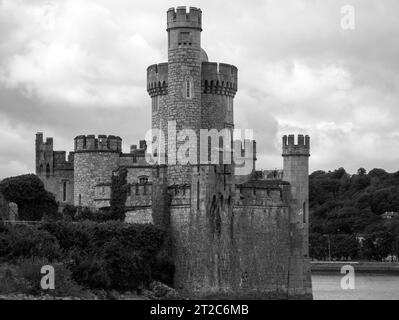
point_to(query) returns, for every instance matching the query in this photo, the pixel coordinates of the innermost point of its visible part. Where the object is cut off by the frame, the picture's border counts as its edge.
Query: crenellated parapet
(157, 79)
(301, 148)
(181, 18)
(219, 78)
(102, 143)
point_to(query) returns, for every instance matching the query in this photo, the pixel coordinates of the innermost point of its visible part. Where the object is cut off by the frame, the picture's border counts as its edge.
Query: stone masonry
(235, 236)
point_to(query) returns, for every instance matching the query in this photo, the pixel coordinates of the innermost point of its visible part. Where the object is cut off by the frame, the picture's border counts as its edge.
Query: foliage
(28, 192)
(24, 241)
(111, 255)
(119, 192)
(343, 206)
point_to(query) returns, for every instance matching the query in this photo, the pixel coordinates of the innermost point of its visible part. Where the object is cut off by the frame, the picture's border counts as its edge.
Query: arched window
(80, 200)
(48, 170)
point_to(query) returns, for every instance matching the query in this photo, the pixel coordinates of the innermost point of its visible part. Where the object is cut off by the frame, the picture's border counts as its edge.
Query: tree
(28, 192)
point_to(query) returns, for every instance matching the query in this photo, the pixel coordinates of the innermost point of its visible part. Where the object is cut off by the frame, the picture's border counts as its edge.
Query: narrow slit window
(64, 191)
(188, 88)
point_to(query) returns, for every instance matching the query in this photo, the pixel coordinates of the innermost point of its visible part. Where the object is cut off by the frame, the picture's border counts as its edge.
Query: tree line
(346, 214)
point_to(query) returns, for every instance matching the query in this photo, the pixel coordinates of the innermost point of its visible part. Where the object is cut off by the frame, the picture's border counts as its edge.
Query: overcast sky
(70, 67)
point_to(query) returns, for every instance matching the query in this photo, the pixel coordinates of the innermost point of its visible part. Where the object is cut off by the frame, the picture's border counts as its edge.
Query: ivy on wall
(119, 192)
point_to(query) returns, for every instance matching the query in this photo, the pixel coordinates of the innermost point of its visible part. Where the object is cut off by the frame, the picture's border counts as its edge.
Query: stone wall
(91, 169)
(139, 215)
(55, 170)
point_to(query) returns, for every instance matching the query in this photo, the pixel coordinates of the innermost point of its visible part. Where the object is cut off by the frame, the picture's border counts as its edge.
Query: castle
(232, 235)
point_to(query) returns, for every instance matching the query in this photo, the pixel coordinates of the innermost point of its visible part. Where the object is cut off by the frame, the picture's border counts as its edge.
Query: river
(368, 286)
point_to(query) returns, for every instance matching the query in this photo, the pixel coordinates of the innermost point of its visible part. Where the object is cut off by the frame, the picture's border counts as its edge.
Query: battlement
(47, 145)
(219, 78)
(261, 193)
(102, 143)
(157, 79)
(302, 147)
(180, 18)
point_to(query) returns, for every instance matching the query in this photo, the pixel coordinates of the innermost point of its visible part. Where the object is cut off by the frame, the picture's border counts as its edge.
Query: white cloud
(299, 72)
(78, 54)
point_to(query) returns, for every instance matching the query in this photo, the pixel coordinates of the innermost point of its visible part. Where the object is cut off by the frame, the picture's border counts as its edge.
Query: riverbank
(359, 266)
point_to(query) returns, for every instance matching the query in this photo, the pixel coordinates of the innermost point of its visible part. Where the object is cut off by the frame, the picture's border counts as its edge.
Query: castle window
(40, 169)
(48, 170)
(84, 144)
(184, 38)
(137, 190)
(155, 104)
(143, 180)
(64, 191)
(80, 200)
(188, 87)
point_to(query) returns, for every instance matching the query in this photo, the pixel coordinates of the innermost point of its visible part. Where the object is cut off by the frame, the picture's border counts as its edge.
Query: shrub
(163, 269)
(64, 284)
(23, 241)
(128, 270)
(69, 212)
(91, 271)
(110, 255)
(28, 192)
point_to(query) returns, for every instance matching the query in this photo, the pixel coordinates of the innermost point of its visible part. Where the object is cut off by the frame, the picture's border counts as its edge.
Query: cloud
(79, 54)
(72, 67)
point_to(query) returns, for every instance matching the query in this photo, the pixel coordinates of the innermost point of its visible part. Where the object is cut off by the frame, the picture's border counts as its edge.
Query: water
(368, 286)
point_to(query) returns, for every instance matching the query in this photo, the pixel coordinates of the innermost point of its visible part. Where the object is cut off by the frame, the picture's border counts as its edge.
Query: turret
(184, 28)
(296, 172)
(290, 148)
(44, 156)
(102, 143)
(95, 158)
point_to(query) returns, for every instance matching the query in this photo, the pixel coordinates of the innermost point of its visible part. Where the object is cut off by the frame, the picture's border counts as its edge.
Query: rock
(162, 291)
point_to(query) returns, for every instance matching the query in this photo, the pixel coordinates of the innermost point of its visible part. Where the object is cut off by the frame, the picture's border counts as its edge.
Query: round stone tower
(95, 160)
(184, 86)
